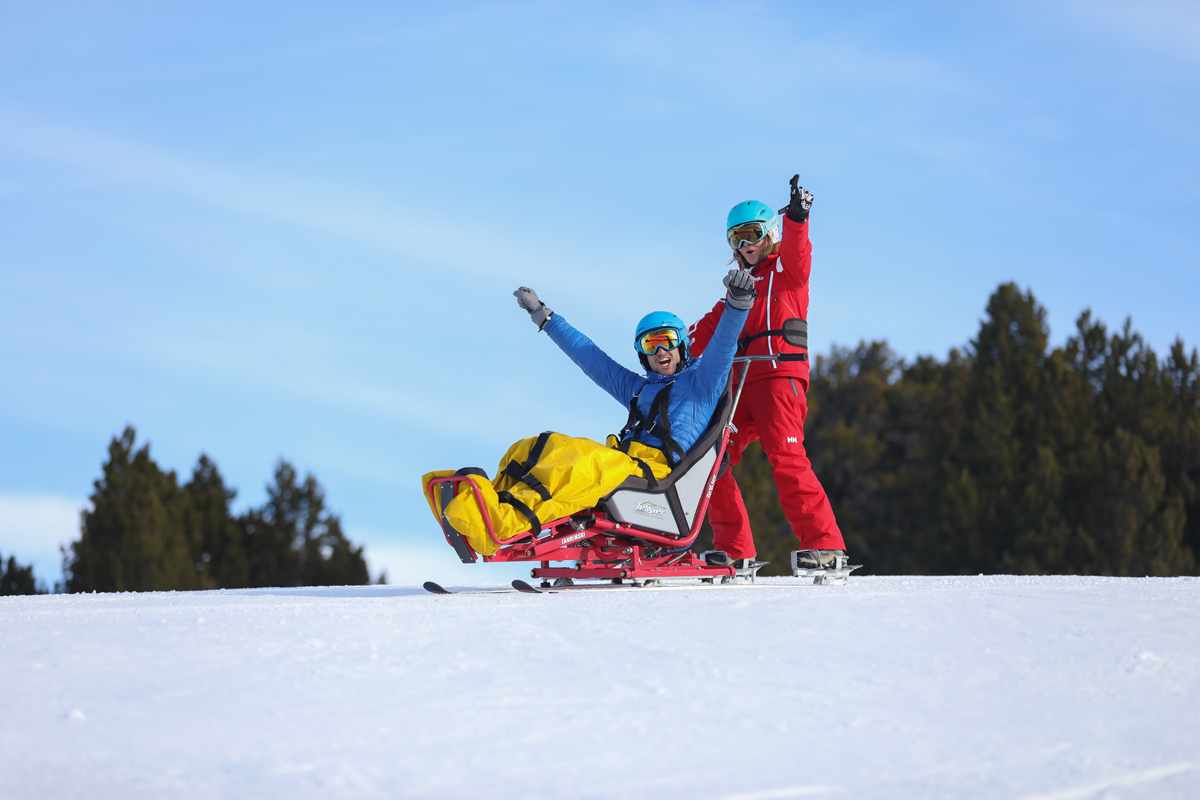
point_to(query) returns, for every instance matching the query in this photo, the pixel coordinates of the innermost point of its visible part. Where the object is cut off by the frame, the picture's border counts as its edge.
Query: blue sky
(286, 229)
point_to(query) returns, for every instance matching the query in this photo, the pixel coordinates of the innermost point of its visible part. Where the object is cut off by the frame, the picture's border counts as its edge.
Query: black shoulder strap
(633, 423)
(521, 472)
(660, 425)
(657, 423)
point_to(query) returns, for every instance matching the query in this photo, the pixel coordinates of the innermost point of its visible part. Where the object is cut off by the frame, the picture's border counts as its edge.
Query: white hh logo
(650, 509)
(791, 440)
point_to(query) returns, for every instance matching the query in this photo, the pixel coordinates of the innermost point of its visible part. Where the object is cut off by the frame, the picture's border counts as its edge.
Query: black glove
(527, 299)
(801, 202)
(741, 289)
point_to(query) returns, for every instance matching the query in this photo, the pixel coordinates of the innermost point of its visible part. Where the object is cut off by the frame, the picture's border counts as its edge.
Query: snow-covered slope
(995, 687)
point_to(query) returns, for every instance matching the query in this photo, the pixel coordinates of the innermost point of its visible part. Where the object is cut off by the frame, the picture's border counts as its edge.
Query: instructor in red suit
(773, 404)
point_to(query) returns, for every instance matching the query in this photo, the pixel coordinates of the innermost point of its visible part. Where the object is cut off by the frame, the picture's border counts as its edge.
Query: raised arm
(795, 249)
(610, 376)
(714, 366)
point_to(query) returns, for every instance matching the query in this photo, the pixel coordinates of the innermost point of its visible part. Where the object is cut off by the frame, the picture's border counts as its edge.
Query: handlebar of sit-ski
(742, 380)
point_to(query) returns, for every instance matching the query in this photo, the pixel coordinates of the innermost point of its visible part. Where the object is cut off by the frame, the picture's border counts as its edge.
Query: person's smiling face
(664, 362)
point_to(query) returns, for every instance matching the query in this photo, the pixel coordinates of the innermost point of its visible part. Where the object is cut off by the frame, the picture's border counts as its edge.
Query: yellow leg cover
(576, 473)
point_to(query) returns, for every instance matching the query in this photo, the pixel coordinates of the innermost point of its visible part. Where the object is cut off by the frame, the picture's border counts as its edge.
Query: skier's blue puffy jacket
(698, 386)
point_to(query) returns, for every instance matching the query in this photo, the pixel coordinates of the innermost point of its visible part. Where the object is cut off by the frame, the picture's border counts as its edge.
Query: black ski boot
(717, 558)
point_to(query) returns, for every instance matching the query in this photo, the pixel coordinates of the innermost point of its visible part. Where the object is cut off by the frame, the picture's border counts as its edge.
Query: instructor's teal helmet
(752, 211)
(662, 320)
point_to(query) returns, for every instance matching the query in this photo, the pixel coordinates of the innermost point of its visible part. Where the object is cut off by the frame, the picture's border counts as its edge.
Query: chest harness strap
(745, 341)
(657, 423)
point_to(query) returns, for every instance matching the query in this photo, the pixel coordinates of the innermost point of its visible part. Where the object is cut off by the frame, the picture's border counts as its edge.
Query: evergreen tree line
(1006, 457)
(17, 579)
(145, 532)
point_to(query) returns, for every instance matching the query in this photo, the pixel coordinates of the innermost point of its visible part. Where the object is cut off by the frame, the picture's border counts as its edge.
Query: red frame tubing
(605, 552)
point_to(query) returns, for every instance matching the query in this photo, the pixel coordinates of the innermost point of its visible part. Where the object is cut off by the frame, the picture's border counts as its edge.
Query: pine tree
(133, 537)
(1132, 489)
(294, 541)
(212, 533)
(145, 533)
(1181, 448)
(16, 579)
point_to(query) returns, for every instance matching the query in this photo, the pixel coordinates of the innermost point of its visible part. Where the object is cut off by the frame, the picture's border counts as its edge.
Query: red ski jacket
(782, 284)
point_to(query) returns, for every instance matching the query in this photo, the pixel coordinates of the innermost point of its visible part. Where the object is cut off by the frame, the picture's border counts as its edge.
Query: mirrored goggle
(665, 338)
(746, 233)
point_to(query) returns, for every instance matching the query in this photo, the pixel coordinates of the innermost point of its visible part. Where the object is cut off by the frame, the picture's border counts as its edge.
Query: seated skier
(552, 476)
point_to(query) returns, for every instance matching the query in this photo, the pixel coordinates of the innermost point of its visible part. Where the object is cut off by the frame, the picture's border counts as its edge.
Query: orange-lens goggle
(665, 338)
(746, 233)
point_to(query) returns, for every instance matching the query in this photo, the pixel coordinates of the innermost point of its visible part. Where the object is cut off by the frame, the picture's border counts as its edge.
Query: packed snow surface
(988, 687)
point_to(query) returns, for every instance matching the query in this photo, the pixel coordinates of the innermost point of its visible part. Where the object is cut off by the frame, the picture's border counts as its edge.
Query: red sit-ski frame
(603, 547)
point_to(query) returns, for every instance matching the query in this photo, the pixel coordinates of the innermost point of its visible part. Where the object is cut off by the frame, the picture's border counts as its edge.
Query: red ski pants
(773, 410)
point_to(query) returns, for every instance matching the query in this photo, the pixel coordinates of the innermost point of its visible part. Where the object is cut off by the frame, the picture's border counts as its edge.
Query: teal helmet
(751, 211)
(660, 320)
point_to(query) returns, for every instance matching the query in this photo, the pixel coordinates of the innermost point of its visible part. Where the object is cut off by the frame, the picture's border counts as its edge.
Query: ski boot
(823, 566)
(716, 558)
(746, 568)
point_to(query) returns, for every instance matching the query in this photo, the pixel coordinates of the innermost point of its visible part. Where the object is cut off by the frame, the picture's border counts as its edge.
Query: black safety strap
(633, 423)
(657, 424)
(535, 524)
(521, 472)
(744, 342)
(472, 471)
(660, 425)
(647, 473)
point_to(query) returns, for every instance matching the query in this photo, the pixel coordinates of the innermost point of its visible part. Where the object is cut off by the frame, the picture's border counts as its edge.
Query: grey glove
(527, 299)
(741, 289)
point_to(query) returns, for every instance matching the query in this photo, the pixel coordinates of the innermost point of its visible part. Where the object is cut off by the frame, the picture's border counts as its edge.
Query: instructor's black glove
(741, 289)
(527, 299)
(801, 202)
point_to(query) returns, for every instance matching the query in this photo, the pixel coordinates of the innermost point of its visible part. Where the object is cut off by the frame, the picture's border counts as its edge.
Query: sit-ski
(639, 535)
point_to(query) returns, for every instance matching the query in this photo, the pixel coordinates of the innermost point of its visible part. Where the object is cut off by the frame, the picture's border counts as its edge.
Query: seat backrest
(670, 507)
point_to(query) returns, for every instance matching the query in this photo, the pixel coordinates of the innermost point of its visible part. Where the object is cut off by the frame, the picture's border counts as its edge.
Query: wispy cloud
(710, 47)
(385, 225)
(1168, 27)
